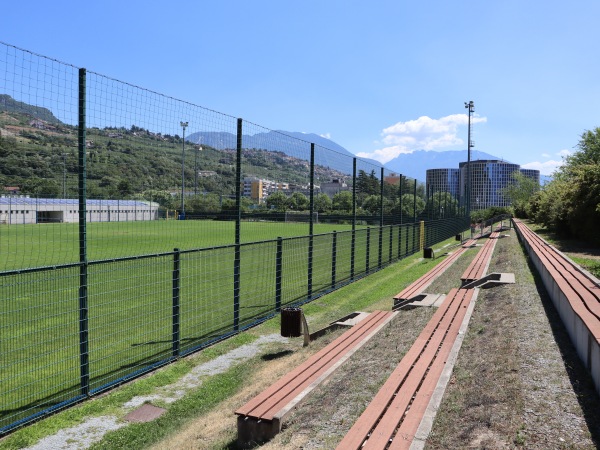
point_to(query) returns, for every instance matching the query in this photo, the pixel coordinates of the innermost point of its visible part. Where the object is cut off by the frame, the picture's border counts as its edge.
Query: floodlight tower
(198, 150)
(182, 214)
(64, 186)
(471, 107)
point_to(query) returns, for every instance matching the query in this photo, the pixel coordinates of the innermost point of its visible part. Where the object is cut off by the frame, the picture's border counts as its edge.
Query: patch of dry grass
(517, 382)
(514, 382)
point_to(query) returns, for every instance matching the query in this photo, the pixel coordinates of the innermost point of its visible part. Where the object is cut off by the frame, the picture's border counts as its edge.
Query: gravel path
(93, 429)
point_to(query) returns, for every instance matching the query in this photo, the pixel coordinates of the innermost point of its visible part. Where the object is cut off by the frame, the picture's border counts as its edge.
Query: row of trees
(440, 204)
(570, 203)
(342, 203)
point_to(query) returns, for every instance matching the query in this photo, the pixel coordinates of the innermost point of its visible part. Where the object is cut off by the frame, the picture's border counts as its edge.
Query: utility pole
(198, 150)
(182, 213)
(471, 107)
(64, 155)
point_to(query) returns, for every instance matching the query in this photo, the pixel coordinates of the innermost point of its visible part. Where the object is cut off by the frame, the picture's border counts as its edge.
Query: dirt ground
(517, 382)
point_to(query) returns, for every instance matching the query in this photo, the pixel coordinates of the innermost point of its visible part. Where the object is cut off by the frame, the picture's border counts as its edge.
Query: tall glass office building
(488, 179)
(533, 174)
(443, 180)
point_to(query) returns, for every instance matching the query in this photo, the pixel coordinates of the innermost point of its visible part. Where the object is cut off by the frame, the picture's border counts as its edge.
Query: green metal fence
(136, 228)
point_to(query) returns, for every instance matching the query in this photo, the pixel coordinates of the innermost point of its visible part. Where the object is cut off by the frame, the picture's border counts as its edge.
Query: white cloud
(385, 154)
(545, 168)
(550, 166)
(423, 133)
(326, 135)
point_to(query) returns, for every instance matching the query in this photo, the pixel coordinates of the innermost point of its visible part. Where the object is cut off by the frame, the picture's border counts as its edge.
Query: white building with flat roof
(26, 210)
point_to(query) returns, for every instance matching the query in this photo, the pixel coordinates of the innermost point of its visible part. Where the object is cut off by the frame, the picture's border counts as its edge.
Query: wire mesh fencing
(136, 228)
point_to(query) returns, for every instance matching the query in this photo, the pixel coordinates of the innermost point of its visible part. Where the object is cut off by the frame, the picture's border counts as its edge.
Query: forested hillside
(38, 154)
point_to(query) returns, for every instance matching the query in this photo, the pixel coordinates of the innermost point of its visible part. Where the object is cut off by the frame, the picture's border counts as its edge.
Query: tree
(588, 154)
(367, 184)
(209, 203)
(163, 198)
(40, 187)
(229, 204)
(322, 203)
(479, 215)
(519, 192)
(277, 201)
(408, 203)
(298, 202)
(371, 204)
(442, 204)
(124, 188)
(569, 204)
(342, 201)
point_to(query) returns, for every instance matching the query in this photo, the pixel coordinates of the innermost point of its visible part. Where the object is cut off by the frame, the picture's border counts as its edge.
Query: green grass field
(130, 302)
(25, 246)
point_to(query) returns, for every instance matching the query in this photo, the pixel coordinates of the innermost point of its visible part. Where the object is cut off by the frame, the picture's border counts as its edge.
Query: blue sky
(377, 77)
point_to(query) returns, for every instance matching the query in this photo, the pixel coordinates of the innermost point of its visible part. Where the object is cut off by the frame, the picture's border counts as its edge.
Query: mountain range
(9, 104)
(293, 144)
(413, 165)
(297, 144)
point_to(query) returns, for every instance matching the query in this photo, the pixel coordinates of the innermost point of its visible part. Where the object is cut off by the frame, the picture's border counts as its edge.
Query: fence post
(238, 219)
(84, 366)
(368, 250)
(311, 229)
(414, 214)
(353, 242)
(391, 243)
(333, 258)
(400, 226)
(278, 273)
(176, 296)
(399, 241)
(380, 254)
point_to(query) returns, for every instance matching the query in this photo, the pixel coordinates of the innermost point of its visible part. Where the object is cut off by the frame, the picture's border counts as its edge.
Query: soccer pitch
(26, 246)
(130, 313)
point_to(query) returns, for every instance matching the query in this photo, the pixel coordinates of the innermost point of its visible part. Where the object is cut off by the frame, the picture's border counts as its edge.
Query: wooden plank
(410, 424)
(480, 263)
(582, 292)
(403, 400)
(403, 380)
(417, 287)
(267, 404)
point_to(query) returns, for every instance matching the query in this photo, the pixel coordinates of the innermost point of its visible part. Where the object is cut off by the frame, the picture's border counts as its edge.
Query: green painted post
(84, 366)
(311, 222)
(368, 250)
(238, 220)
(278, 274)
(353, 242)
(400, 225)
(391, 250)
(414, 215)
(380, 254)
(333, 258)
(176, 298)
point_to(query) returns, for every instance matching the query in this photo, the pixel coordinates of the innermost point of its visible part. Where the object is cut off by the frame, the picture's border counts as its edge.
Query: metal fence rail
(138, 228)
